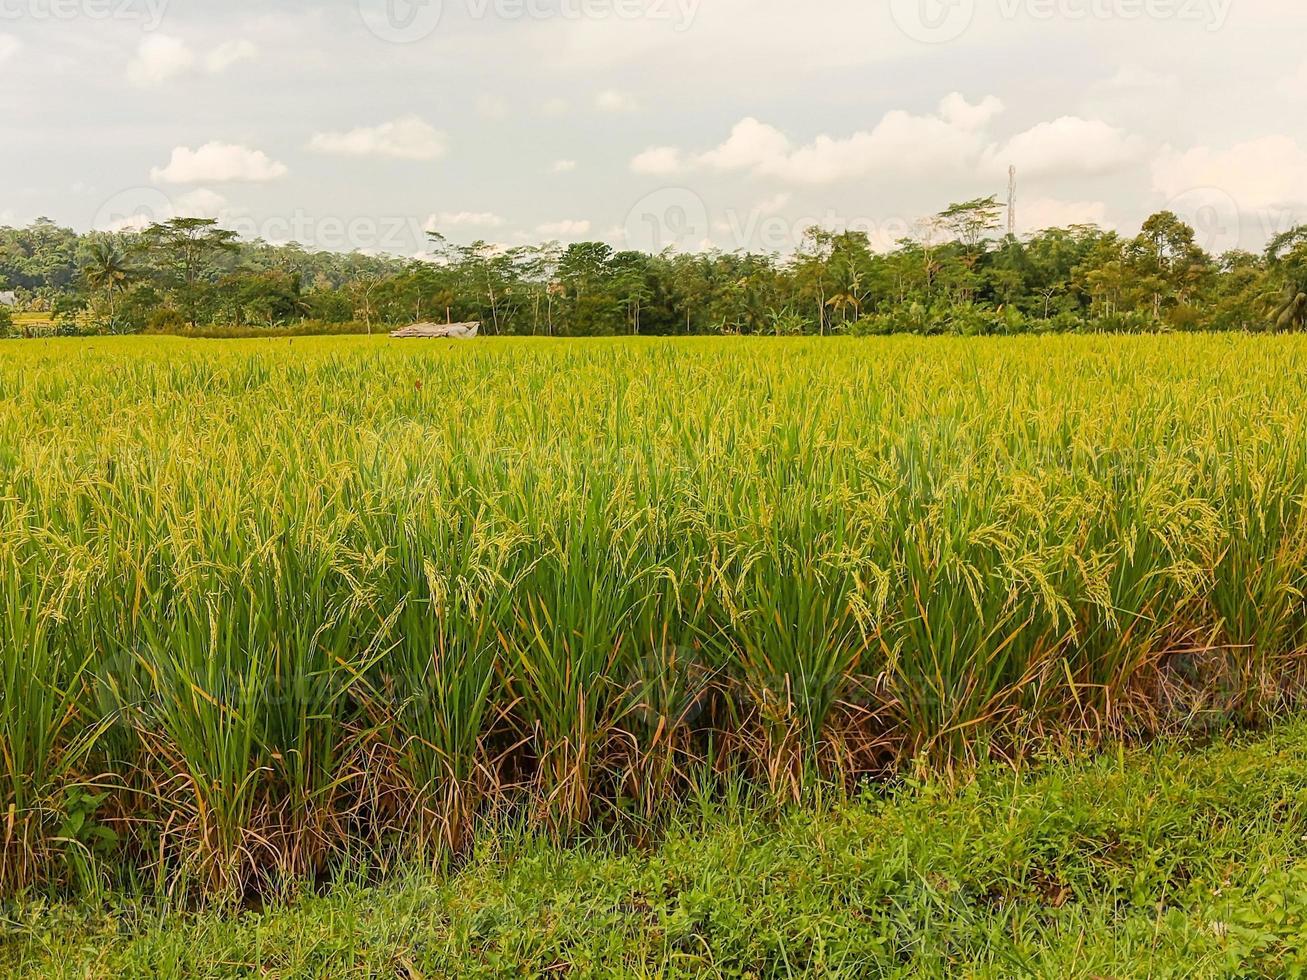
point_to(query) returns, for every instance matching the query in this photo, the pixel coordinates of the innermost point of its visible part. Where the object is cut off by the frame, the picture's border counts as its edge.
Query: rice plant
(266, 606)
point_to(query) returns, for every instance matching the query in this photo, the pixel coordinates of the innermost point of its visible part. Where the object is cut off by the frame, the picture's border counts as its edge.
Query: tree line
(954, 274)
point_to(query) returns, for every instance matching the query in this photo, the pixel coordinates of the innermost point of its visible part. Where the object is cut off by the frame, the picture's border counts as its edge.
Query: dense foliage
(266, 606)
(954, 276)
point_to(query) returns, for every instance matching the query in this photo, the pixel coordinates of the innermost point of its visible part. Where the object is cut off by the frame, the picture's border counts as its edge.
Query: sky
(732, 124)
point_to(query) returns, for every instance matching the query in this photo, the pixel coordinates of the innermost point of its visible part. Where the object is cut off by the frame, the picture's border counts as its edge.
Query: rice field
(268, 606)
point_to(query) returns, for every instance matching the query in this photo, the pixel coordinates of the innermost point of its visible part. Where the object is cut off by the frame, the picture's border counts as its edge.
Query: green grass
(271, 608)
(1149, 862)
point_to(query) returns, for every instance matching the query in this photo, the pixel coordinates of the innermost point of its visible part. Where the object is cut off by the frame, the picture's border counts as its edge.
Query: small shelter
(438, 331)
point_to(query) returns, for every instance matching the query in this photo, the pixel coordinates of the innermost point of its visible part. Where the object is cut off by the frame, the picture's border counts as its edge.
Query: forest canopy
(954, 275)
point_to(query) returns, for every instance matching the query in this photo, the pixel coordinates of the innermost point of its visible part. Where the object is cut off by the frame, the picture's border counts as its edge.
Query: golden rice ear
(286, 614)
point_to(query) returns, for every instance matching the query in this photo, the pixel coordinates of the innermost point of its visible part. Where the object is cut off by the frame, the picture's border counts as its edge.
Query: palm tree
(108, 269)
(1287, 258)
(848, 293)
(1289, 310)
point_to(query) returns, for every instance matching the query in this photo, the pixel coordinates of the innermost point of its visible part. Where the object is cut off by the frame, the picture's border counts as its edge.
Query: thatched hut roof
(438, 331)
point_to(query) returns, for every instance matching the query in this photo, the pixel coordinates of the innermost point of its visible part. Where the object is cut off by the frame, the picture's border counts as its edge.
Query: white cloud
(751, 145)
(1036, 214)
(229, 53)
(946, 142)
(564, 229)
(1164, 80)
(160, 57)
(659, 161)
(953, 141)
(409, 138)
(564, 166)
(1069, 146)
(218, 163)
(612, 100)
(1260, 174)
(9, 46)
(464, 219)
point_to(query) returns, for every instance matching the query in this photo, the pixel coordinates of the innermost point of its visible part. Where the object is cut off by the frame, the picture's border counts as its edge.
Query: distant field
(268, 606)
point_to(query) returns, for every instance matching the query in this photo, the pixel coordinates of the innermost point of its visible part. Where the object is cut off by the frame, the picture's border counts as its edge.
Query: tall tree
(186, 252)
(108, 270)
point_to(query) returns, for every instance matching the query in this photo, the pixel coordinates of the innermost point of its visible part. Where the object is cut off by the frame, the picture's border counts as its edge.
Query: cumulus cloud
(955, 139)
(564, 166)
(9, 46)
(464, 219)
(408, 138)
(1069, 146)
(612, 100)
(751, 145)
(1260, 174)
(658, 161)
(217, 162)
(900, 143)
(162, 57)
(564, 229)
